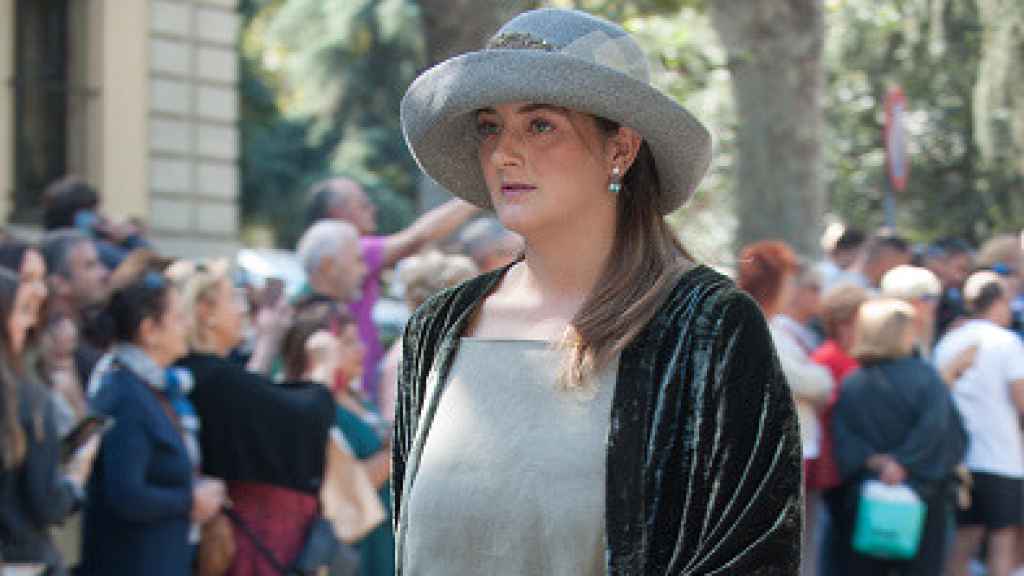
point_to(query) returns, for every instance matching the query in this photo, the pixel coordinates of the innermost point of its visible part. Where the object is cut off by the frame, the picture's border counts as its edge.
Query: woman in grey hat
(604, 405)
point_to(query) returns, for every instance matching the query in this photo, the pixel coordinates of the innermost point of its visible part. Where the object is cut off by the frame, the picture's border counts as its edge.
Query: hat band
(597, 47)
(520, 41)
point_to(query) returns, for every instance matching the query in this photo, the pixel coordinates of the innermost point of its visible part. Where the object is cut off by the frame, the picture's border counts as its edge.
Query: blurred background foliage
(322, 80)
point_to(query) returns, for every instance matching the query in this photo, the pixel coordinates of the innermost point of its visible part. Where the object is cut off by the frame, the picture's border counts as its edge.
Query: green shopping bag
(890, 520)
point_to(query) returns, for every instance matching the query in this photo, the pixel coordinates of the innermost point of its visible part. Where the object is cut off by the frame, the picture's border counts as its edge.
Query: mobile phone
(273, 290)
(81, 433)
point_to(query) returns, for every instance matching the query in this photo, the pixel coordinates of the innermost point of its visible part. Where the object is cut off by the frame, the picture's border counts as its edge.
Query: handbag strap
(260, 546)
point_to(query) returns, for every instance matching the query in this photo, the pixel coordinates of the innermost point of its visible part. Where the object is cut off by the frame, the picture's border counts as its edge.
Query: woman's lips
(515, 191)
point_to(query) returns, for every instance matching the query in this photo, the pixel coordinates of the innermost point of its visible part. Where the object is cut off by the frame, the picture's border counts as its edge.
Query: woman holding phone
(35, 493)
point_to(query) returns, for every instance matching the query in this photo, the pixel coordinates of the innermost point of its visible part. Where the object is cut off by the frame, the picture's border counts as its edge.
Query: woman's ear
(147, 332)
(622, 148)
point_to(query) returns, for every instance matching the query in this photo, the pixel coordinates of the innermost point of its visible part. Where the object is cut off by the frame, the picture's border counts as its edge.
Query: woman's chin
(518, 219)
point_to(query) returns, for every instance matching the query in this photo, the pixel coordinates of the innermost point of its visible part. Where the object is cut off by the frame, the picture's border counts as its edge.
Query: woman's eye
(486, 128)
(540, 126)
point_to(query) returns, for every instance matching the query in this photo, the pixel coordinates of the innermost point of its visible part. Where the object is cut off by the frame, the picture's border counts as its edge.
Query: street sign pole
(897, 166)
(890, 207)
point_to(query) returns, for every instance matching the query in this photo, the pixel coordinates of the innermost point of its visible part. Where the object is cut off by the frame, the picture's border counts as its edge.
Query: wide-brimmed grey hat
(560, 57)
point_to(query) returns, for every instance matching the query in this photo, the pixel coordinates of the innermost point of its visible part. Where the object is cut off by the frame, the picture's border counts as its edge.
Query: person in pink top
(345, 199)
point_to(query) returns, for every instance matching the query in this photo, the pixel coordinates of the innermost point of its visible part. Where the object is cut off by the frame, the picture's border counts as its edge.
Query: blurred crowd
(906, 363)
(174, 416)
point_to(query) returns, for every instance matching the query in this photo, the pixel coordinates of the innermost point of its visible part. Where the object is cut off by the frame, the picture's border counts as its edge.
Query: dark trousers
(931, 553)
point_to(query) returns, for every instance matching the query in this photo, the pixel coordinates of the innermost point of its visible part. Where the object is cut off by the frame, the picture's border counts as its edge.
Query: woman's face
(351, 351)
(33, 281)
(167, 338)
(223, 314)
(544, 166)
(24, 316)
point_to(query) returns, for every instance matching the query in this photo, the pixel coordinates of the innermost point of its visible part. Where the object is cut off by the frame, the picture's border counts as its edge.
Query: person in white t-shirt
(990, 397)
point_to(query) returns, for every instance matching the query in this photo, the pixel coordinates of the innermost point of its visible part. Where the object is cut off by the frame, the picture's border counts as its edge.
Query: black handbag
(323, 549)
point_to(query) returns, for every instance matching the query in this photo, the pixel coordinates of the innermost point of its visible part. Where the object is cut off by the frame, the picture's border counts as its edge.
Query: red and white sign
(896, 138)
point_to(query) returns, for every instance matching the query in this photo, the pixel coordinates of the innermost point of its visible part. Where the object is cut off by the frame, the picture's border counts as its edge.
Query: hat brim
(439, 123)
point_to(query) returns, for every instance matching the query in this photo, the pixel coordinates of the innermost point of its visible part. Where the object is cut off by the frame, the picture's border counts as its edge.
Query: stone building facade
(138, 96)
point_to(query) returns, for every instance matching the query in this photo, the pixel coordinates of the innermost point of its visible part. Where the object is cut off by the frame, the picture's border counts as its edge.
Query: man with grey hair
(344, 199)
(990, 397)
(329, 254)
(77, 278)
(78, 288)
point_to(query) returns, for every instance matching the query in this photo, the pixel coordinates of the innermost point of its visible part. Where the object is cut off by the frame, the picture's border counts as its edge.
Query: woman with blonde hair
(421, 277)
(605, 405)
(895, 422)
(266, 440)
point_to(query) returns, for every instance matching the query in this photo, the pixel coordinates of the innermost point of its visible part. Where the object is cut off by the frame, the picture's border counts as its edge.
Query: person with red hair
(768, 271)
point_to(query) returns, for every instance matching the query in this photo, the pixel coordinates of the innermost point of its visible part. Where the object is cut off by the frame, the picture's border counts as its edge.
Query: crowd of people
(611, 405)
(907, 367)
(219, 409)
(906, 364)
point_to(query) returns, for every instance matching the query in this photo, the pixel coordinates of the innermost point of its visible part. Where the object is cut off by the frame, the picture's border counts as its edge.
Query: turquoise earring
(615, 186)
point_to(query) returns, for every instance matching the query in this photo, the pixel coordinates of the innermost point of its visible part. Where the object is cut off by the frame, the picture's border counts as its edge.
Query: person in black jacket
(35, 493)
(895, 421)
(266, 440)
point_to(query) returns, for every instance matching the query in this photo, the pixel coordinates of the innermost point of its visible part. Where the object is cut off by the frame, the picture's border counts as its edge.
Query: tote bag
(890, 520)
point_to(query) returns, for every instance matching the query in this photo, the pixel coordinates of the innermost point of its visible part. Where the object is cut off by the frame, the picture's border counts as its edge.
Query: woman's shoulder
(712, 301)
(120, 393)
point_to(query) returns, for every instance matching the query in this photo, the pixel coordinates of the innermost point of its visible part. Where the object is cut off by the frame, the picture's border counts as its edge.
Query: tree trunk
(775, 59)
(455, 26)
(999, 91)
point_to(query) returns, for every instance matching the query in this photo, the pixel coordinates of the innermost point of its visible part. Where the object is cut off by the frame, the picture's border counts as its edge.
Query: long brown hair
(310, 318)
(12, 435)
(646, 262)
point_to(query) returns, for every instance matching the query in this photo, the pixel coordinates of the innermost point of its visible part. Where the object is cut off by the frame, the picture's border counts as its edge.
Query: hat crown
(577, 34)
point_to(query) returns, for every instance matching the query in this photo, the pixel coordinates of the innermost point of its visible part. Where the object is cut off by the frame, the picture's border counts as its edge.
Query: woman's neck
(564, 267)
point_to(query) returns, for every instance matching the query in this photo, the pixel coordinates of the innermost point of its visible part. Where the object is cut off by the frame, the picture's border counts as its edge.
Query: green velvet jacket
(704, 460)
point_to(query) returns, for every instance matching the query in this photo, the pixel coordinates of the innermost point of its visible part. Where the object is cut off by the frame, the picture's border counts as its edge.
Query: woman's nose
(507, 148)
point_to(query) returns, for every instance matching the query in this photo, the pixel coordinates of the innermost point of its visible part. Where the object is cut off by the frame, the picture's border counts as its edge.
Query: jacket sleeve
(126, 454)
(851, 451)
(743, 510)
(808, 380)
(933, 447)
(50, 495)
(405, 414)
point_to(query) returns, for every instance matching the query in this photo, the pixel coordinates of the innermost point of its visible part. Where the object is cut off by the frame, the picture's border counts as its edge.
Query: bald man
(345, 199)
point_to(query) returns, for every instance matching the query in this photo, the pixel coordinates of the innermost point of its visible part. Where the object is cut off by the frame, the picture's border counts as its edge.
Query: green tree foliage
(932, 49)
(321, 83)
(322, 79)
(276, 159)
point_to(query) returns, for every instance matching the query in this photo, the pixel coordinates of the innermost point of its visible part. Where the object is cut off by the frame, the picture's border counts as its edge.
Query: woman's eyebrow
(528, 108)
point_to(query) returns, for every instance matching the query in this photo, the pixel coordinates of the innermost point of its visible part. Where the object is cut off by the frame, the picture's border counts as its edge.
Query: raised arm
(435, 225)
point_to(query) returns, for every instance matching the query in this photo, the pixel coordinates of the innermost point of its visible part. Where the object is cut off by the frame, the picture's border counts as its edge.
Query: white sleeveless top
(512, 476)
